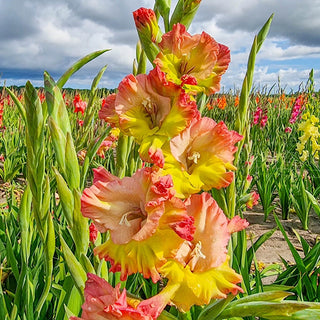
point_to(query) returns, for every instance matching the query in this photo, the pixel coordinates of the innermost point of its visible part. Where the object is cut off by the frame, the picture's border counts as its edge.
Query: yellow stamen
(194, 157)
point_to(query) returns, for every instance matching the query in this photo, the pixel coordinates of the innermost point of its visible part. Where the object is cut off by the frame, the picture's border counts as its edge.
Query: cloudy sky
(38, 35)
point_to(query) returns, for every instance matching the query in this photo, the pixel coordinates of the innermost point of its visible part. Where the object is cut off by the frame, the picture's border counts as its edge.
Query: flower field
(133, 203)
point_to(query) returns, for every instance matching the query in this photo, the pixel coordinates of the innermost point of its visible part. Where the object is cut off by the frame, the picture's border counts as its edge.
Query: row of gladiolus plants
(129, 203)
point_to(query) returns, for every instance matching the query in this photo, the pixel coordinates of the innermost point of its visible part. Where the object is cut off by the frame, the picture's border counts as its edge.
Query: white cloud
(52, 35)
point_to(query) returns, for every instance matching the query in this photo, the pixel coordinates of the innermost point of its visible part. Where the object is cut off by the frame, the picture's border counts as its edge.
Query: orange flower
(222, 102)
(236, 101)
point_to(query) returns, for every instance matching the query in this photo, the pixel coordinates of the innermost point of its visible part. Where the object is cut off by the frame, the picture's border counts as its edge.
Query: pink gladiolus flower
(198, 158)
(257, 115)
(263, 121)
(105, 146)
(288, 130)
(213, 230)
(148, 30)
(200, 271)
(194, 62)
(102, 301)
(296, 110)
(254, 197)
(138, 212)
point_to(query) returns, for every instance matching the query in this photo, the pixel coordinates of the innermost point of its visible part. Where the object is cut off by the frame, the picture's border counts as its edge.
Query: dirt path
(276, 246)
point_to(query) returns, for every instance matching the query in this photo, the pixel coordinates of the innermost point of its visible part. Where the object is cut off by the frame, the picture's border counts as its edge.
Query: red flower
(93, 232)
(79, 105)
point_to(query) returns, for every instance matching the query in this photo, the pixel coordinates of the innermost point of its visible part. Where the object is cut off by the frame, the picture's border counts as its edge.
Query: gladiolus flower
(102, 301)
(296, 110)
(79, 105)
(152, 110)
(200, 270)
(263, 121)
(148, 31)
(288, 130)
(194, 62)
(109, 142)
(108, 112)
(139, 212)
(198, 158)
(236, 101)
(93, 233)
(222, 102)
(147, 24)
(41, 96)
(253, 200)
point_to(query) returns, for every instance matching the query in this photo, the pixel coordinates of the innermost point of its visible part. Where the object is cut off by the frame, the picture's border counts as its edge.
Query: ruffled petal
(102, 302)
(198, 288)
(194, 62)
(213, 230)
(130, 208)
(144, 256)
(200, 156)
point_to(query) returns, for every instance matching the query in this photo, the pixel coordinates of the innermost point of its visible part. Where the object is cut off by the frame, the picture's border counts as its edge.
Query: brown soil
(276, 246)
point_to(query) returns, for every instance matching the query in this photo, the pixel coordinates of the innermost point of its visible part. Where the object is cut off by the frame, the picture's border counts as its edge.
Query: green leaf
(74, 303)
(71, 163)
(66, 197)
(78, 65)
(268, 310)
(184, 12)
(80, 230)
(24, 221)
(19, 105)
(86, 264)
(56, 106)
(97, 78)
(78, 273)
(315, 204)
(59, 143)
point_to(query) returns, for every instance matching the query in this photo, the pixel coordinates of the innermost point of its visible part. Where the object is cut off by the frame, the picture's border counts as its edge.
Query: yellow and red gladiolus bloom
(146, 223)
(200, 270)
(102, 301)
(200, 157)
(196, 63)
(109, 142)
(152, 110)
(253, 200)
